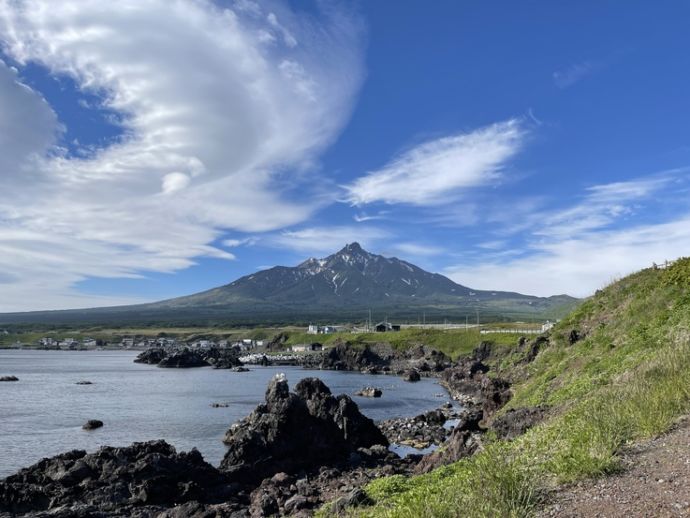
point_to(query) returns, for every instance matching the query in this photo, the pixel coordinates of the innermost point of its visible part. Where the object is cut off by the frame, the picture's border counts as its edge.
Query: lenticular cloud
(212, 103)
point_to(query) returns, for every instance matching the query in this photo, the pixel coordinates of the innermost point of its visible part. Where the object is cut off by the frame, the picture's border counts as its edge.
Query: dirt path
(655, 483)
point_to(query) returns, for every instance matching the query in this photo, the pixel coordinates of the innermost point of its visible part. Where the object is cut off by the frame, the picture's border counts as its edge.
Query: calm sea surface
(41, 415)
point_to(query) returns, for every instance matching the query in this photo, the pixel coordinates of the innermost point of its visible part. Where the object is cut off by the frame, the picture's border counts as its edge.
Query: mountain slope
(351, 277)
(341, 287)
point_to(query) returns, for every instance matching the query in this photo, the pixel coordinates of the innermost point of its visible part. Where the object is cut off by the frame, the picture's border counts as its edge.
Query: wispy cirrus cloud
(325, 240)
(583, 247)
(212, 102)
(436, 171)
(572, 74)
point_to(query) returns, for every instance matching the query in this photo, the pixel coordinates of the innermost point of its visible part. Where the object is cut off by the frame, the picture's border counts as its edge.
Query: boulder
(9, 378)
(113, 481)
(411, 375)
(84, 382)
(298, 430)
(369, 392)
(92, 424)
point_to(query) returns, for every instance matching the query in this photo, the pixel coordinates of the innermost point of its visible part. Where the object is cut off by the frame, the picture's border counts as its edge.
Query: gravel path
(655, 483)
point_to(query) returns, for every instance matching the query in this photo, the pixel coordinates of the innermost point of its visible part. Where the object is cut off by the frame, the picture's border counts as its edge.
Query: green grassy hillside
(628, 379)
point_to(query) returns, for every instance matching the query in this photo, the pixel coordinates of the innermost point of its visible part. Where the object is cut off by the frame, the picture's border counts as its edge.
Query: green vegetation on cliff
(626, 379)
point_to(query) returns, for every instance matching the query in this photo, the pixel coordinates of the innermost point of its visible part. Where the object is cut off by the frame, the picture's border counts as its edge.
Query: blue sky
(150, 149)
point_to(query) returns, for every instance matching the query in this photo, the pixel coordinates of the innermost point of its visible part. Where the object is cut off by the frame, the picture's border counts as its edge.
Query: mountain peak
(353, 247)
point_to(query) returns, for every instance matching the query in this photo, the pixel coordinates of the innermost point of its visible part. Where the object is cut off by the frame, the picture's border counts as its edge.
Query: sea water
(41, 415)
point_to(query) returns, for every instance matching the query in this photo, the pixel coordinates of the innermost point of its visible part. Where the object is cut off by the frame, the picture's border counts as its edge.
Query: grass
(453, 342)
(628, 380)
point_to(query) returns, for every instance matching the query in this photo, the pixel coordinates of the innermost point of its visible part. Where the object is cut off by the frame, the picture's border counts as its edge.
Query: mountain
(354, 278)
(341, 287)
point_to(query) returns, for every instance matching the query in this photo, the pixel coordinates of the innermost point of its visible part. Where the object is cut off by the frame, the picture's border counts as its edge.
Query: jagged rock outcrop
(345, 356)
(183, 359)
(424, 359)
(535, 348)
(222, 358)
(296, 430)
(151, 356)
(468, 382)
(463, 442)
(114, 481)
(515, 422)
(9, 378)
(186, 358)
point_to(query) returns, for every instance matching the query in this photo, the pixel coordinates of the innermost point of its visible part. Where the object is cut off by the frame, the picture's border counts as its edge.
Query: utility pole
(477, 317)
(466, 324)
(369, 325)
(424, 317)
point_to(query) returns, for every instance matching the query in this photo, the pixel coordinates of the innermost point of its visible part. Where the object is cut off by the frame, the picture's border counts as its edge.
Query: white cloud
(418, 249)
(28, 127)
(581, 249)
(437, 170)
(326, 240)
(583, 264)
(209, 114)
(572, 74)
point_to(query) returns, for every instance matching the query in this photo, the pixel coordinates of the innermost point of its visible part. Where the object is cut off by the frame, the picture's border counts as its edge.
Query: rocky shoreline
(295, 452)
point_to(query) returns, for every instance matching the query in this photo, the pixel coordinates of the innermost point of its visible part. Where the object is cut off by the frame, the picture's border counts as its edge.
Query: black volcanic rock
(9, 378)
(222, 358)
(296, 430)
(517, 421)
(347, 357)
(183, 359)
(467, 381)
(151, 356)
(113, 481)
(92, 424)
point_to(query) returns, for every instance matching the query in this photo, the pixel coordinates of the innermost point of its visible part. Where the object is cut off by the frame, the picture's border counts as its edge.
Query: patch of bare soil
(655, 482)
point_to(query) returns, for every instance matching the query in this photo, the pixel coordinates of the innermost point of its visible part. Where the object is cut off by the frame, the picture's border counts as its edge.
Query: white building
(547, 326)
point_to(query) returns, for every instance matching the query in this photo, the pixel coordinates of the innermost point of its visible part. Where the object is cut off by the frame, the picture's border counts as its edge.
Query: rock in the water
(222, 358)
(183, 359)
(369, 392)
(113, 481)
(296, 430)
(92, 424)
(412, 375)
(515, 422)
(9, 378)
(84, 382)
(151, 356)
(220, 405)
(239, 369)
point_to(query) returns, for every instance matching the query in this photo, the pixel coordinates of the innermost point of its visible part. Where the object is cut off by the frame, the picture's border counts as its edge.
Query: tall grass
(627, 381)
